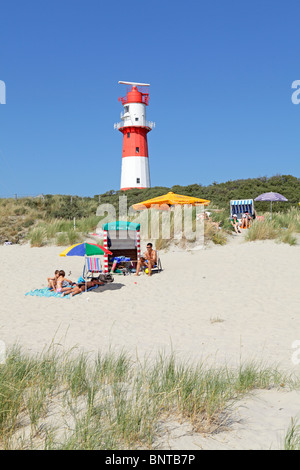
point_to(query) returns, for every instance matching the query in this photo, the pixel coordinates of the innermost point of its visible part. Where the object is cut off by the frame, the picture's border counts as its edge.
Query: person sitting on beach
(148, 260)
(81, 287)
(244, 221)
(249, 219)
(208, 218)
(62, 283)
(53, 280)
(235, 224)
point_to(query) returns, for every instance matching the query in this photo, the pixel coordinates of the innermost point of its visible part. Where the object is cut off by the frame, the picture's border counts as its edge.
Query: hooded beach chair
(92, 267)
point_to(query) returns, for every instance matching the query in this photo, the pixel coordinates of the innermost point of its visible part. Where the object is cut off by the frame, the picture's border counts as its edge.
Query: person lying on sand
(81, 287)
(235, 224)
(148, 260)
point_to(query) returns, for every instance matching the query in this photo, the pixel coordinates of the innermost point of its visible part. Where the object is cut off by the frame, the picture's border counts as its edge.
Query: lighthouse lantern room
(134, 127)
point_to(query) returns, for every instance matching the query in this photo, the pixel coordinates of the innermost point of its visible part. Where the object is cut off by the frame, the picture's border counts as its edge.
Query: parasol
(271, 197)
(85, 249)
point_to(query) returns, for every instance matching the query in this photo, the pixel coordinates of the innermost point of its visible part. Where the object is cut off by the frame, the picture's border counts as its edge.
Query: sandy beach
(219, 305)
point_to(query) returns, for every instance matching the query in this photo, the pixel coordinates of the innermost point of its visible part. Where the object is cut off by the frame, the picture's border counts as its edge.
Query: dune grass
(287, 236)
(272, 230)
(61, 231)
(71, 401)
(37, 237)
(43, 220)
(292, 437)
(289, 220)
(262, 230)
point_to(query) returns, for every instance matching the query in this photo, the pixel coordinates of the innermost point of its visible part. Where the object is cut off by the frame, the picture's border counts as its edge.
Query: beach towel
(120, 259)
(46, 292)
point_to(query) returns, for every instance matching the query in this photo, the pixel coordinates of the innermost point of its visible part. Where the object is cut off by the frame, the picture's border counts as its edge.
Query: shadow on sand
(111, 287)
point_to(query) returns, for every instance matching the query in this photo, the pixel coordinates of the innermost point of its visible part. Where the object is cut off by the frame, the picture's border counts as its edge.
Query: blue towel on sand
(46, 292)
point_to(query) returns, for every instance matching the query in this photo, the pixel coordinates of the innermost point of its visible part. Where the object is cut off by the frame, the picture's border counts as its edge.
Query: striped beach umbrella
(85, 249)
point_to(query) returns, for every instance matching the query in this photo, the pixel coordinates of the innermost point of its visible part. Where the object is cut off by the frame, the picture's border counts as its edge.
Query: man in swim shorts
(149, 260)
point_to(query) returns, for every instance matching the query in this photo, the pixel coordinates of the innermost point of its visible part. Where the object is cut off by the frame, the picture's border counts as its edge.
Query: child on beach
(53, 280)
(62, 282)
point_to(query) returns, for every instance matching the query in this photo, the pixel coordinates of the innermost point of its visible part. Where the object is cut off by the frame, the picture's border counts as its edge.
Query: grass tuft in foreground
(70, 401)
(292, 438)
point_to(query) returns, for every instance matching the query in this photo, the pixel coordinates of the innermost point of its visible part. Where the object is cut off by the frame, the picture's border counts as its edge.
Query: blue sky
(220, 95)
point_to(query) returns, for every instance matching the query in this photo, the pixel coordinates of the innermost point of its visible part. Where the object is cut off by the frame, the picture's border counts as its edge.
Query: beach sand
(219, 305)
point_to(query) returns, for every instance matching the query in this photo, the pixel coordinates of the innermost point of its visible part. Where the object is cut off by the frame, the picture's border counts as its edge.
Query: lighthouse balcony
(119, 125)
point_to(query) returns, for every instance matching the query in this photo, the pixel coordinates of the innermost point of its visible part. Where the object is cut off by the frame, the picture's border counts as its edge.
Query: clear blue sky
(220, 95)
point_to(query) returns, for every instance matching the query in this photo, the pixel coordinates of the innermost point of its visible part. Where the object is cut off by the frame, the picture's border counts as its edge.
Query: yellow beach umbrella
(170, 199)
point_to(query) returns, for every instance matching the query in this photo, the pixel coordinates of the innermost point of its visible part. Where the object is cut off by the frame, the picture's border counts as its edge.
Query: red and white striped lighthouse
(135, 127)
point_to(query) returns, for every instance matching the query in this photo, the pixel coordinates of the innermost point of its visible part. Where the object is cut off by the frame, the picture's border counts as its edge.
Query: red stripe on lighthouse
(135, 141)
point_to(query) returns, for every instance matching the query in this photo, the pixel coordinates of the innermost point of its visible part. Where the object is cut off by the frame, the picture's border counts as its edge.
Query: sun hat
(234, 215)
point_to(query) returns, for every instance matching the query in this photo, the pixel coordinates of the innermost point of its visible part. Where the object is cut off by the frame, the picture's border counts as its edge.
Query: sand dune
(218, 305)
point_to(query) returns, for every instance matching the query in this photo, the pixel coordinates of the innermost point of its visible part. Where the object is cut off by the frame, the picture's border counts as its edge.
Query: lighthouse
(134, 127)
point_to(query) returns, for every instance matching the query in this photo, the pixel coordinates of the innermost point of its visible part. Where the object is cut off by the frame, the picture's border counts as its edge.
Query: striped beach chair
(92, 267)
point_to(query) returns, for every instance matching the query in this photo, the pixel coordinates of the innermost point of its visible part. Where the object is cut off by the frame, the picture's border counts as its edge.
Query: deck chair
(92, 267)
(157, 267)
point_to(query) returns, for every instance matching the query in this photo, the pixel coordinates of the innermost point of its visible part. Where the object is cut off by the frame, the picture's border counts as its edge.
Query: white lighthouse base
(135, 172)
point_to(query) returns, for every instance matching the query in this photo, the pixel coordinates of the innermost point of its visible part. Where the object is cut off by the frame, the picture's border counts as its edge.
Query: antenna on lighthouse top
(134, 83)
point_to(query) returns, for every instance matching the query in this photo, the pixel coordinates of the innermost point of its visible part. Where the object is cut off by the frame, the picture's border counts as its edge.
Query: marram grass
(292, 437)
(68, 401)
(272, 230)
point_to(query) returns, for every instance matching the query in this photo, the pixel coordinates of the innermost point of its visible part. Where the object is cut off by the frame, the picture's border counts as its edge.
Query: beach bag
(106, 278)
